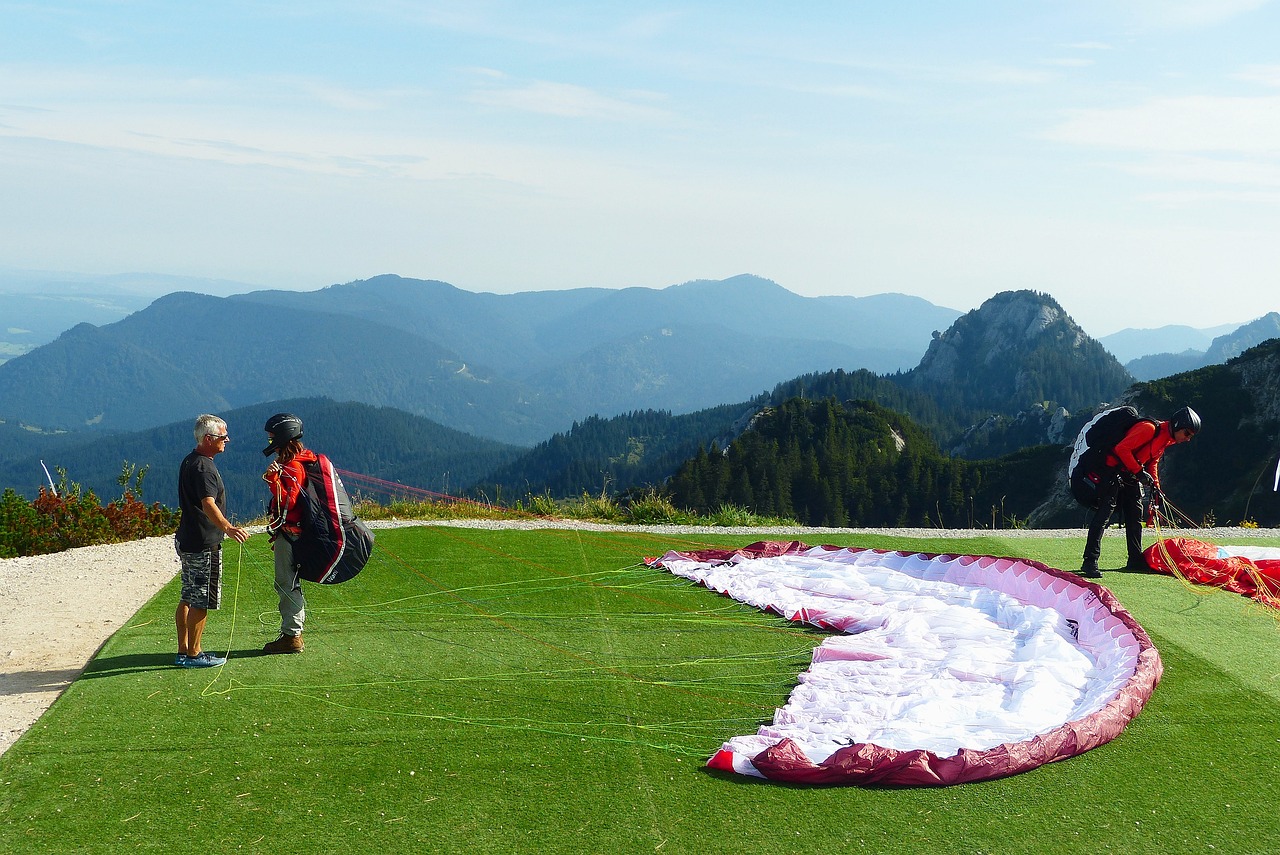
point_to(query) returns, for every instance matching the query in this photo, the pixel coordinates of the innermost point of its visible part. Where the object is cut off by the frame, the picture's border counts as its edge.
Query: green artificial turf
(520, 691)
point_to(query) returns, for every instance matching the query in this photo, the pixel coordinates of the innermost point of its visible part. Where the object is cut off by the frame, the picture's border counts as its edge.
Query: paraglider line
(751, 690)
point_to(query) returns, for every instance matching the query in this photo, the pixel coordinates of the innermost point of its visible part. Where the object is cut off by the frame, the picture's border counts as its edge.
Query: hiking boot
(204, 660)
(1090, 570)
(284, 644)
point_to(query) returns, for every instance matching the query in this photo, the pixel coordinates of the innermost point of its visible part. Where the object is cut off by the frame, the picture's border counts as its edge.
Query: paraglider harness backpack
(1088, 471)
(333, 544)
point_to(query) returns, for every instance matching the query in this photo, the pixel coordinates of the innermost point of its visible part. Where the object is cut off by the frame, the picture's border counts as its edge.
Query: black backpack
(1088, 469)
(334, 544)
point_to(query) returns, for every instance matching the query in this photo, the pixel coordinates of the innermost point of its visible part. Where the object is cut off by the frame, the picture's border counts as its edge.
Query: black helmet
(283, 427)
(1185, 419)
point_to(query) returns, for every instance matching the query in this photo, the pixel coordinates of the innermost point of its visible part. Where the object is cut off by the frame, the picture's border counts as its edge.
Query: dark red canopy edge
(866, 764)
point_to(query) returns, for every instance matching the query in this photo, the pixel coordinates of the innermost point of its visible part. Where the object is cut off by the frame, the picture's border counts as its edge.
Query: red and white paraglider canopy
(1253, 571)
(948, 668)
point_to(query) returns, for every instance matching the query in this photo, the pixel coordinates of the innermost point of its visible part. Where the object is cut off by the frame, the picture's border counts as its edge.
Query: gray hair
(207, 424)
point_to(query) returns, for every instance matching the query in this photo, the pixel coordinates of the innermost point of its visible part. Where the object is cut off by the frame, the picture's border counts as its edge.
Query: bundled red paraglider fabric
(1251, 571)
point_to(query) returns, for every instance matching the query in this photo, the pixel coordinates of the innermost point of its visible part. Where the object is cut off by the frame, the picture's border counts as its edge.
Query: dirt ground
(57, 610)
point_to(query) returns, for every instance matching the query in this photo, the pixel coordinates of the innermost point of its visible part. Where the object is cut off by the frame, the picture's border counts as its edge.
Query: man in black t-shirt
(202, 499)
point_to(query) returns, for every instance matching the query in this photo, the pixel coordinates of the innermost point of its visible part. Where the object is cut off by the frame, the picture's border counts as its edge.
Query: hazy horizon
(1120, 155)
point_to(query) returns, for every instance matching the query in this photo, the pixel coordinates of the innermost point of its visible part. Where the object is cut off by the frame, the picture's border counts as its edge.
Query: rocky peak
(1017, 349)
(1009, 322)
(1259, 372)
(1233, 344)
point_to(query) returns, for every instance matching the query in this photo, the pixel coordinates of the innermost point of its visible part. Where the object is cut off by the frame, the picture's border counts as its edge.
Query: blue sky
(1120, 155)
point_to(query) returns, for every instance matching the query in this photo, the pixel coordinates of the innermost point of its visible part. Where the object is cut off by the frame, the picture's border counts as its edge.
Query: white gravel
(57, 610)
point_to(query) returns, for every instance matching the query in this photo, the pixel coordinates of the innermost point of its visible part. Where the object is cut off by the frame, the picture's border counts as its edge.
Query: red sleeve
(1139, 435)
(285, 485)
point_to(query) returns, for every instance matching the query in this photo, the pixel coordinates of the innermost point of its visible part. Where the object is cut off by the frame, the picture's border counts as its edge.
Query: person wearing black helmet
(286, 477)
(1135, 462)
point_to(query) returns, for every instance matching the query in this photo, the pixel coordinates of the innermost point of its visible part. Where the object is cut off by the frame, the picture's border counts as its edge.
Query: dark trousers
(1126, 494)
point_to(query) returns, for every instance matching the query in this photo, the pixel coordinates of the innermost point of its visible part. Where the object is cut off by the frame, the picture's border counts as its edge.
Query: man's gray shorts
(202, 578)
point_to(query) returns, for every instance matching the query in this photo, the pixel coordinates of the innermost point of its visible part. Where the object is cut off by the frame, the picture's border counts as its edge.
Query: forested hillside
(992, 346)
(376, 441)
(610, 456)
(825, 463)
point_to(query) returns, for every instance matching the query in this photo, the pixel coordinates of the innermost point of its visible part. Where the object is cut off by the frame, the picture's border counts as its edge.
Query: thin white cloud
(341, 97)
(1197, 123)
(993, 74)
(1181, 169)
(1195, 198)
(290, 122)
(572, 101)
(1266, 75)
(1186, 14)
(649, 26)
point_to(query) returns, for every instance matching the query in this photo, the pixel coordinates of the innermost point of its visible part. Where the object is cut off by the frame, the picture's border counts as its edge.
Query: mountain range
(514, 368)
(1017, 350)
(1015, 373)
(38, 305)
(1232, 342)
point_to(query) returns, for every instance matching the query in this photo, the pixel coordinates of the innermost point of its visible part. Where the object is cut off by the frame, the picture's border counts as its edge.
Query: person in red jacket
(1135, 462)
(286, 477)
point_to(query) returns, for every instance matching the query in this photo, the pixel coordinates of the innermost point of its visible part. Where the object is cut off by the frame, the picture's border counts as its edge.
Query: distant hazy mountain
(1011, 364)
(526, 334)
(30, 320)
(1234, 343)
(37, 305)
(1017, 344)
(1159, 365)
(1130, 344)
(515, 368)
(190, 353)
(1230, 343)
(114, 286)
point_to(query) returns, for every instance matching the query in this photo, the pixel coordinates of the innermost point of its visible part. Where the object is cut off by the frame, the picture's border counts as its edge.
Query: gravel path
(56, 611)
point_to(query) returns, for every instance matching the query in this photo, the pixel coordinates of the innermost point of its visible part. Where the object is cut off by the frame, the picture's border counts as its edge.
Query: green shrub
(64, 518)
(542, 506)
(732, 515)
(131, 519)
(21, 532)
(600, 507)
(406, 509)
(653, 508)
(73, 519)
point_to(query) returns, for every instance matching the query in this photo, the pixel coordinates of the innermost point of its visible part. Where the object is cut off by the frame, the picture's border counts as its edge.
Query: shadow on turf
(133, 663)
(1142, 570)
(37, 680)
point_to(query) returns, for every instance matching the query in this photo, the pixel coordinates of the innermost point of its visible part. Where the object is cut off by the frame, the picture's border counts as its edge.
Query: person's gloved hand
(1144, 478)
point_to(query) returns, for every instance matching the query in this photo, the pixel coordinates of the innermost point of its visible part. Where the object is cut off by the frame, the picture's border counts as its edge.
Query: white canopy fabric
(949, 668)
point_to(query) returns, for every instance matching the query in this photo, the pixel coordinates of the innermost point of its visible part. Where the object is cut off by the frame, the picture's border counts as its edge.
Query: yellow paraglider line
(756, 690)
